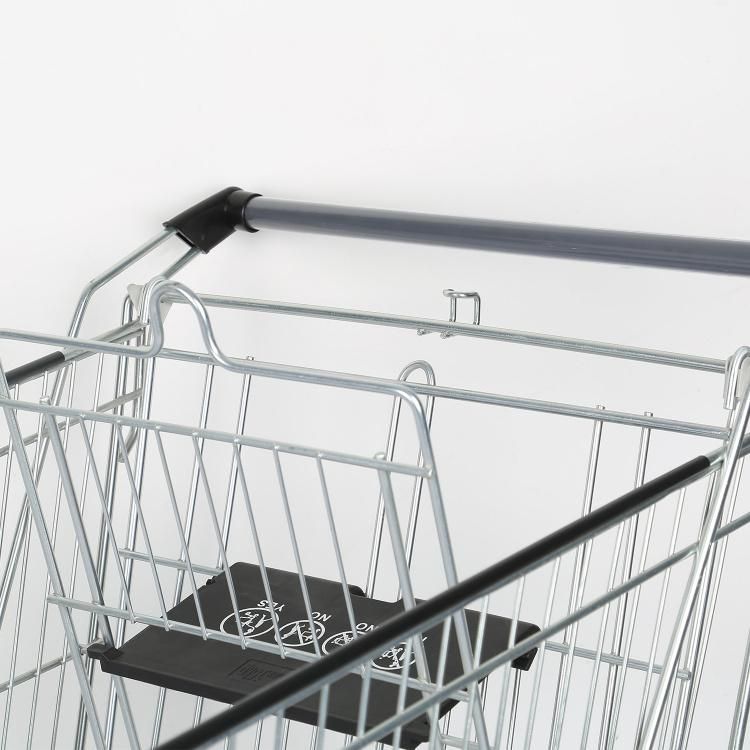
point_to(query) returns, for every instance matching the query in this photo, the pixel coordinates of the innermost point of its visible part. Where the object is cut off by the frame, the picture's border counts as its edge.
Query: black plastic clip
(211, 221)
(103, 653)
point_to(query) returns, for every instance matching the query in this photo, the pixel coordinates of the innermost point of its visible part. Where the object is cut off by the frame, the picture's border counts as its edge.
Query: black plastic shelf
(225, 672)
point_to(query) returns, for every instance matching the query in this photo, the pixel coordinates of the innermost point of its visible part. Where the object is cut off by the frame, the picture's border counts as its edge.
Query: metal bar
(56, 360)
(258, 551)
(337, 549)
(120, 381)
(479, 397)
(506, 667)
(660, 614)
(37, 515)
(534, 701)
(580, 575)
(600, 245)
(393, 427)
(677, 692)
(223, 437)
(81, 723)
(704, 620)
(159, 289)
(491, 333)
(708, 529)
(169, 562)
(314, 636)
(185, 533)
(89, 567)
(610, 709)
(611, 584)
(34, 673)
(562, 647)
(108, 406)
(742, 708)
(47, 587)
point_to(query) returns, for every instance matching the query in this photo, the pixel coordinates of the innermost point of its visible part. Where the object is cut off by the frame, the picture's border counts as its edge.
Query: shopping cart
(183, 528)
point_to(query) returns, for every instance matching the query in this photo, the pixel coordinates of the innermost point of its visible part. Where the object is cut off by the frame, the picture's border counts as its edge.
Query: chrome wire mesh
(133, 473)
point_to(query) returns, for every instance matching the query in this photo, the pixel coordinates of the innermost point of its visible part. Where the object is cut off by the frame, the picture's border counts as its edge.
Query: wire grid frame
(513, 719)
(89, 444)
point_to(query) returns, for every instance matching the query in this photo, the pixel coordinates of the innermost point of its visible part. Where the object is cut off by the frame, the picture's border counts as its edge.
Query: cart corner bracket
(211, 221)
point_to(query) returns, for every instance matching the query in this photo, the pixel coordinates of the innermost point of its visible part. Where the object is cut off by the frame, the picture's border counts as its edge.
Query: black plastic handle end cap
(211, 221)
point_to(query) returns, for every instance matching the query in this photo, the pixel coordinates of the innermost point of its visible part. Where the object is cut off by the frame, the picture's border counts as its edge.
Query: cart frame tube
(546, 240)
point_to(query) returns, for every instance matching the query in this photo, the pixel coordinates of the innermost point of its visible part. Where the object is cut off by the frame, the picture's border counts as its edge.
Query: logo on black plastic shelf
(394, 657)
(341, 639)
(300, 633)
(255, 621)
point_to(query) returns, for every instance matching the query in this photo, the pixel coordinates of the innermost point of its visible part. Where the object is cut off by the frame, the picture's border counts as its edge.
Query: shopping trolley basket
(206, 538)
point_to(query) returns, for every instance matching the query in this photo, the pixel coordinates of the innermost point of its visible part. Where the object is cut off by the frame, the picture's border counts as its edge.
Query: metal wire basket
(206, 541)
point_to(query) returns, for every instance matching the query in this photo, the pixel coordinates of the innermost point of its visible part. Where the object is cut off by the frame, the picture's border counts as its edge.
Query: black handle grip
(33, 369)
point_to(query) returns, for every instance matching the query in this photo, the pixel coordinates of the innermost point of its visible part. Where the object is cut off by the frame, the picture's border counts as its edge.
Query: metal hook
(736, 378)
(453, 296)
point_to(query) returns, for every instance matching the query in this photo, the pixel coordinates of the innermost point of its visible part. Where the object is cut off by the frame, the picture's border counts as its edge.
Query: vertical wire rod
(679, 688)
(135, 492)
(622, 674)
(696, 575)
(742, 708)
(613, 673)
(393, 427)
(507, 668)
(514, 709)
(439, 682)
(37, 515)
(180, 533)
(478, 643)
(20, 602)
(297, 554)
(401, 700)
(47, 590)
(132, 523)
(121, 380)
(660, 612)
(336, 547)
(259, 552)
(402, 567)
(706, 622)
(222, 549)
(600, 640)
(71, 583)
(187, 533)
(578, 585)
(89, 566)
(531, 721)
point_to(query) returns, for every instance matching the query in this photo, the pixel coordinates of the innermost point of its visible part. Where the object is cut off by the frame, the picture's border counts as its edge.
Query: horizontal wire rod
(108, 406)
(527, 404)
(32, 673)
(549, 341)
(215, 635)
(218, 436)
(161, 289)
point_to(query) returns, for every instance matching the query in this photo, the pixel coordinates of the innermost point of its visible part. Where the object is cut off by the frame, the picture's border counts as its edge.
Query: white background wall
(629, 116)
